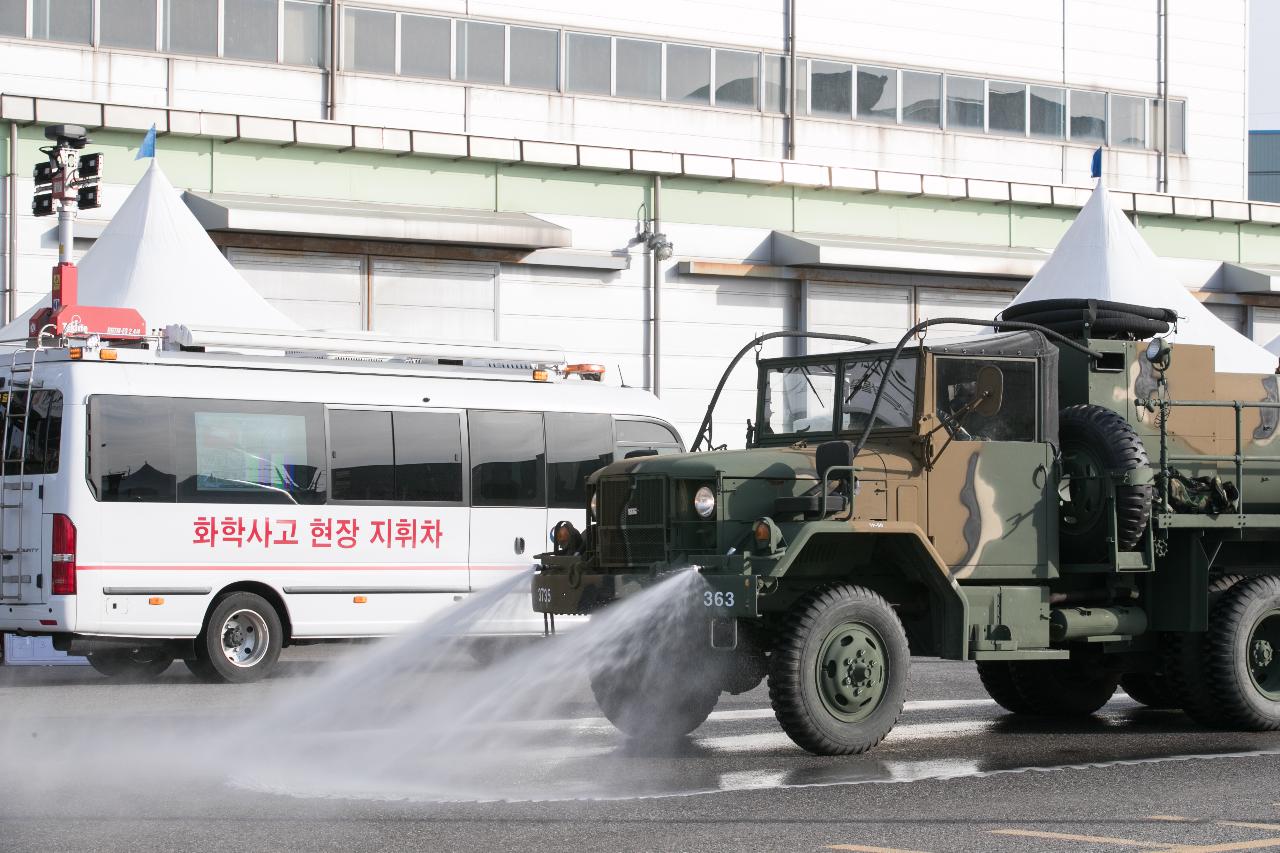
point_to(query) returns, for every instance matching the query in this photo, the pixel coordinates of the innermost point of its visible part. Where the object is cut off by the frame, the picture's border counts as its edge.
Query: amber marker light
(360, 599)
(541, 376)
(762, 532)
(107, 354)
(75, 353)
(155, 600)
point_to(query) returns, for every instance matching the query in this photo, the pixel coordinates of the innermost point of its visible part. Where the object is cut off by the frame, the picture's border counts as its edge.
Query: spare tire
(1096, 318)
(1095, 443)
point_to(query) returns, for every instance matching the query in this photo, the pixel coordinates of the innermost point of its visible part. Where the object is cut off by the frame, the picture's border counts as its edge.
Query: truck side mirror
(990, 390)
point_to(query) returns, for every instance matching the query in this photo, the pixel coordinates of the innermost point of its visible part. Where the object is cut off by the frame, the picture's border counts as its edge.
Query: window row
(161, 450)
(414, 45)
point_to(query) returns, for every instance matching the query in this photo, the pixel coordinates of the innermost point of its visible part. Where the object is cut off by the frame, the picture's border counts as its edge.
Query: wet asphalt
(91, 765)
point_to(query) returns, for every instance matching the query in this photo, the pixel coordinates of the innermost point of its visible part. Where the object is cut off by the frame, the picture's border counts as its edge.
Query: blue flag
(148, 146)
(1095, 169)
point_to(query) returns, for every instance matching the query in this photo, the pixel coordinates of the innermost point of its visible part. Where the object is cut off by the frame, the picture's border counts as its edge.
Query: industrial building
(651, 186)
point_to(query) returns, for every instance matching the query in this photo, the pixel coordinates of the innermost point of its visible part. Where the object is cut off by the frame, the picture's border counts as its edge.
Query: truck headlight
(704, 502)
(593, 506)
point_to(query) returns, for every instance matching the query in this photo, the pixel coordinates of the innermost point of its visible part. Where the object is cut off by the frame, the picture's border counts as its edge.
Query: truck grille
(633, 520)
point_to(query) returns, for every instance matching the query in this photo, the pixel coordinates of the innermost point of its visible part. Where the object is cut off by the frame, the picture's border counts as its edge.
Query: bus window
(131, 449)
(508, 458)
(362, 459)
(646, 435)
(249, 451)
(428, 456)
(43, 428)
(577, 445)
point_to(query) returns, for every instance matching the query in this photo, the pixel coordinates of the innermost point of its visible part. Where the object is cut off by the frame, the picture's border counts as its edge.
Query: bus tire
(241, 640)
(838, 674)
(1242, 655)
(143, 664)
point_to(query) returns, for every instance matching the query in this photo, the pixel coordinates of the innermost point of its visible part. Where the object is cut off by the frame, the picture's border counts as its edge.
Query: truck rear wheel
(1063, 688)
(142, 664)
(240, 642)
(1185, 664)
(838, 675)
(1242, 655)
(1149, 688)
(997, 679)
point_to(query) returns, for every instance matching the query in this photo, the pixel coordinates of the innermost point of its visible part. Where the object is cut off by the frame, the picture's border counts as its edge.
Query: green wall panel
(544, 189)
(870, 215)
(1185, 238)
(726, 203)
(1038, 227)
(1259, 244)
(352, 175)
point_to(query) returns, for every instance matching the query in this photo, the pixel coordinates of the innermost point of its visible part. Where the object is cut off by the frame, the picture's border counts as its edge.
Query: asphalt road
(291, 764)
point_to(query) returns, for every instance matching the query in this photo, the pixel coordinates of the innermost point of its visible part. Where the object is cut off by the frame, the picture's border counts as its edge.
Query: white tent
(156, 258)
(1102, 256)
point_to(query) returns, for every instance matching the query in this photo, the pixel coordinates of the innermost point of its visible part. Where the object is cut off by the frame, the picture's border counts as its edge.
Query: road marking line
(863, 848)
(1256, 844)
(1247, 825)
(1065, 836)
(1168, 817)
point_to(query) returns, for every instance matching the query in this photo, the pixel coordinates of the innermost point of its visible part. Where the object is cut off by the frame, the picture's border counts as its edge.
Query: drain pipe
(333, 62)
(1163, 37)
(11, 230)
(791, 80)
(655, 268)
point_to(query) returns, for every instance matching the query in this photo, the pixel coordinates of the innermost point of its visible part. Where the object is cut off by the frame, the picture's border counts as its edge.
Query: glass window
(132, 24)
(737, 78)
(306, 34)
(1177, 126)
(577, 446)
(799, 398)
(535, 58)
(428, 456)
(920, 96)
(966, 102)
(69, 20)
(191, 26)
(508, 459)
(481, 52)
(1048, 112)
(957, 391)
(368, 40)
(249, 451)
(831, 85)
(638, 67)
(688, 74)
(588, 63)
(1088, 116)
(363, 465)
(862, 381)
(646, 432)
(1128, 121)
(42, 445)
(777, 85)
(13, 18)
(1007, 107)
(249, 29)
(877, 93)
(131, 449)
(424, 46)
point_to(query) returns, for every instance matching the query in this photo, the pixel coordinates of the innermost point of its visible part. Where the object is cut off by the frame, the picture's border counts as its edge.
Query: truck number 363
(717, 599)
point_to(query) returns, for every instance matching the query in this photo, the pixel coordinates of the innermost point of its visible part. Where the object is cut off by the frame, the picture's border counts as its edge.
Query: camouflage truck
(1070, 514)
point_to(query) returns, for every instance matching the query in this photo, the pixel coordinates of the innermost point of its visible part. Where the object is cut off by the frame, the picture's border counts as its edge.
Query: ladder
(13, 547)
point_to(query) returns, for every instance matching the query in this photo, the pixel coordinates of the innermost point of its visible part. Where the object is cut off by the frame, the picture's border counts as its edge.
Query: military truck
(1073, 504)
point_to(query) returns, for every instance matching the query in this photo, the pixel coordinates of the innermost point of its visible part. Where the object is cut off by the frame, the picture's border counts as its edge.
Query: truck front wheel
(838, 675)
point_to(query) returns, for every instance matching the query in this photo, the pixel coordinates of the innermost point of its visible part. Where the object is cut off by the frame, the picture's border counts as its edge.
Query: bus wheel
(838, 675)
(141, 664)
(241, 640)
(1063, 688)
(1242, 654)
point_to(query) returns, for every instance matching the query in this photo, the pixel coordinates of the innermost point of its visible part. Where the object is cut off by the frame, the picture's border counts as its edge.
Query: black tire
(1104, 307)
(1149, 688)
(1185, 665)
(254, 616)
(1096, 441)
(801, 687)
(1063, 688)
(997, 679)
(142, 664)
(1242, 655)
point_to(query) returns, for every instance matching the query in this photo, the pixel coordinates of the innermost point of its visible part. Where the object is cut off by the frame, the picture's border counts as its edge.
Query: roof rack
(360, 346)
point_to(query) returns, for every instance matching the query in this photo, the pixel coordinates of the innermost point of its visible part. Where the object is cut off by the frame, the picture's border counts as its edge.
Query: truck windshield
(862, 379)
(799, 398)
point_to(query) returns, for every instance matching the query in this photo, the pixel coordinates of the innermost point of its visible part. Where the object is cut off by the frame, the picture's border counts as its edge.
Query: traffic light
(90, 166)
(87, 197)
(42, 205)
(43, 174)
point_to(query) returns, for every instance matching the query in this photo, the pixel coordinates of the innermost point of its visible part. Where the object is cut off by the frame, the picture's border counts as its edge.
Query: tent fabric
(156, 258)
(1102, 256)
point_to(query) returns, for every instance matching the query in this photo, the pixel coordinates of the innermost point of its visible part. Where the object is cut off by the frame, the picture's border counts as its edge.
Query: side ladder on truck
(17, 568)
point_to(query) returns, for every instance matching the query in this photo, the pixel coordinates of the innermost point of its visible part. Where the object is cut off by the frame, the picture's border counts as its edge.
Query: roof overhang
(793, 249)
(372, 221)
(1254, 278)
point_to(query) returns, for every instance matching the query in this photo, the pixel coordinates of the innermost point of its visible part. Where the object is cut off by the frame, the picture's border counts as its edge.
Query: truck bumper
(562, 586)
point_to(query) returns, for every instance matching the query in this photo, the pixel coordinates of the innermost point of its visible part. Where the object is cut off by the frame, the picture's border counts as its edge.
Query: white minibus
(214, 496)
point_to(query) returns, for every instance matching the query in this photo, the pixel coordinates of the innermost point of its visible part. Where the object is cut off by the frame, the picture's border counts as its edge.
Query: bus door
(31, 448)
(508, 494)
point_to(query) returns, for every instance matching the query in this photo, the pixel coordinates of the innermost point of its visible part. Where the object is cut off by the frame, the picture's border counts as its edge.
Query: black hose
(959, 321)
(705, 429)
